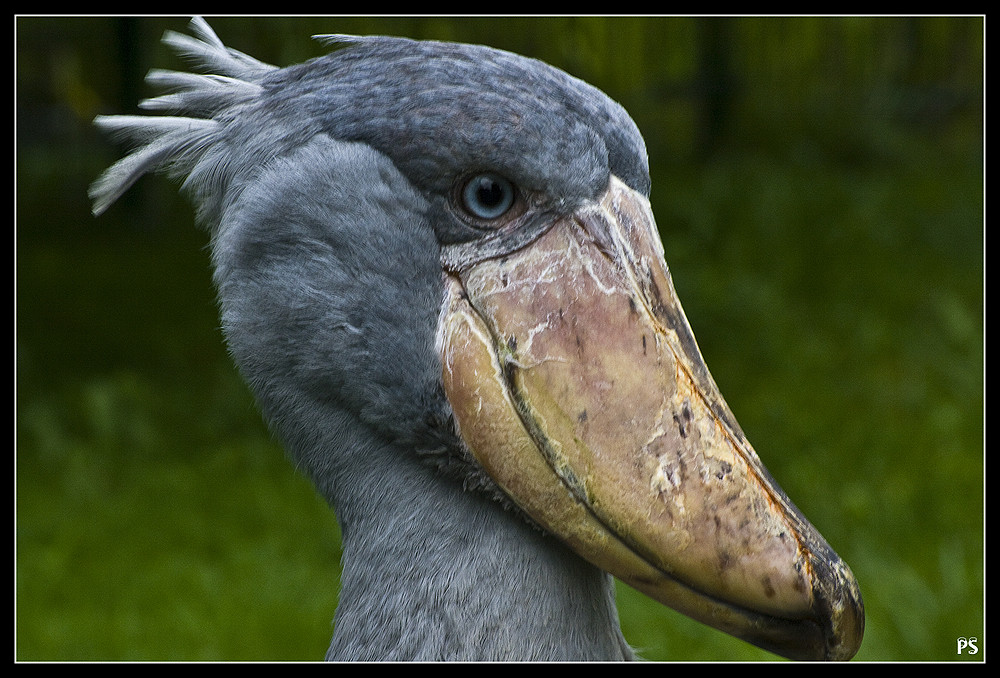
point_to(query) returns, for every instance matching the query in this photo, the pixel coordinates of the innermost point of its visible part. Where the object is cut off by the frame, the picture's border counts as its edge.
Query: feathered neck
(435, 572)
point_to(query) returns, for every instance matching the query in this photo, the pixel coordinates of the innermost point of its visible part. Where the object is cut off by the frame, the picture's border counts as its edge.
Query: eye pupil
(489, 193)
(488, 196)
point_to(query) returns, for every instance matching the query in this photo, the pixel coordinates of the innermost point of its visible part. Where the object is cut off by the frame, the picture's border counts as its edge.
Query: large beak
(576, 382)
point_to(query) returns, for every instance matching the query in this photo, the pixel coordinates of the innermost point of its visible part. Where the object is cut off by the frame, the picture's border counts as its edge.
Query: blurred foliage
(819, 186)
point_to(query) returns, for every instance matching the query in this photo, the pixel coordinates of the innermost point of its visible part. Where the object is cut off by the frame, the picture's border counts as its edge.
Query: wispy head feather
(178, 143)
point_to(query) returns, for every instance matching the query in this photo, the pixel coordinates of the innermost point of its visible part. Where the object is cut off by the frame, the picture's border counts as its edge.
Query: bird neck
(432, 571)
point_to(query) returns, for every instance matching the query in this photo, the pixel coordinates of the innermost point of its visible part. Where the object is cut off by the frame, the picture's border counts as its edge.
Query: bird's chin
(577, 384)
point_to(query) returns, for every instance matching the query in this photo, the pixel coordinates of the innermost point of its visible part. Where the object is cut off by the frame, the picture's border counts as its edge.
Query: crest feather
(178, 142)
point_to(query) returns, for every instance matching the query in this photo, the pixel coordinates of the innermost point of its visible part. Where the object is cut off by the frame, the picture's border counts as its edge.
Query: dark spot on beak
(681, 428)
(684, 417)
(582, 417)
(799, 586)
(725, 561)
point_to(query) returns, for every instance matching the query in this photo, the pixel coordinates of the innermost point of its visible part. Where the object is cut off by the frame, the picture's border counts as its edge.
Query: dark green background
(818, 183)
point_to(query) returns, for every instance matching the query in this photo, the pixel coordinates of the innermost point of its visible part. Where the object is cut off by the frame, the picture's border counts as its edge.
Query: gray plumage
(325, 188)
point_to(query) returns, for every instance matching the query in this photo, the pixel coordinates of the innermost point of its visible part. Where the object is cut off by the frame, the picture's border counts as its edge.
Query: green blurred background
(819, 186)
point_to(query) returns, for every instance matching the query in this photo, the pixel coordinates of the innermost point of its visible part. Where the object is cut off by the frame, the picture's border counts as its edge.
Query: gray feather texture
(324, 187)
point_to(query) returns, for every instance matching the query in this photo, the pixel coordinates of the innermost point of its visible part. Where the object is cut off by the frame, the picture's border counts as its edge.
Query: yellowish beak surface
(577, 384)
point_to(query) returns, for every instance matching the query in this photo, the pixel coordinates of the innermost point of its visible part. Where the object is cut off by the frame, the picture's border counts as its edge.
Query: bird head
(470, 231)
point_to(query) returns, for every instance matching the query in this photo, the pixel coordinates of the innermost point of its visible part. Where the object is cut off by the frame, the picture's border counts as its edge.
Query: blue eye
(488, 195)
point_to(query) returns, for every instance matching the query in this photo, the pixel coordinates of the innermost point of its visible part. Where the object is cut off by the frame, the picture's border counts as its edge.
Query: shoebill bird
(438, 271)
